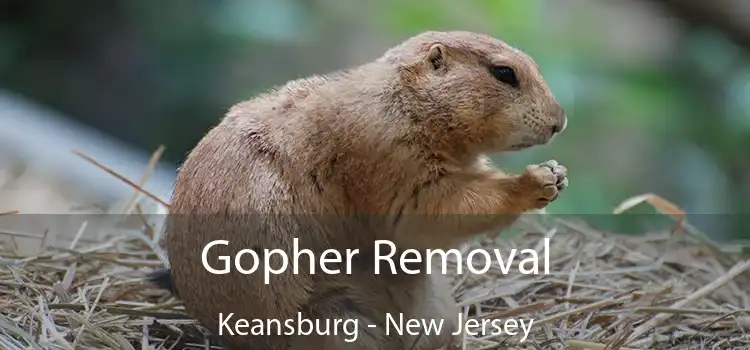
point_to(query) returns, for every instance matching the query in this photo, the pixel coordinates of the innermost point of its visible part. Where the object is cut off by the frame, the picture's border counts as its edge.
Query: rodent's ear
(435, 57)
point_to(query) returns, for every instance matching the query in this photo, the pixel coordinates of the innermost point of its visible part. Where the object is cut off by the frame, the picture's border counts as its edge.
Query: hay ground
(652, 292)
(657, 291)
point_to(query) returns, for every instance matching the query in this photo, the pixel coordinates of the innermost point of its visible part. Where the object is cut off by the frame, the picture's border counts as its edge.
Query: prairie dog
(395, 149)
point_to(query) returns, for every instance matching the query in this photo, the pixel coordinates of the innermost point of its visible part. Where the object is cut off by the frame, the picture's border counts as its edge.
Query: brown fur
(394, 149)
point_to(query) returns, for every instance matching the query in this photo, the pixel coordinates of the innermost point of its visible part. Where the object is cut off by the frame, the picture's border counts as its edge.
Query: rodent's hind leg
(340, 320)
(428, 298)
(364, 339)
(338, 330)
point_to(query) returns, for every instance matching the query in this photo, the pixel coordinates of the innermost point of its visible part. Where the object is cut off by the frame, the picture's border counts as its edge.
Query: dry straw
(668, 290)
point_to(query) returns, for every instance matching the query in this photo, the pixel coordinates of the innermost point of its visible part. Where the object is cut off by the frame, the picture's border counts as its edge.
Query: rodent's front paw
(543, 182)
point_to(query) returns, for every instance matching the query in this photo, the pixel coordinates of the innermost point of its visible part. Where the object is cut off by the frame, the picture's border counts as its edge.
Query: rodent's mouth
(520, 146)
(521, 141)
(529, 142)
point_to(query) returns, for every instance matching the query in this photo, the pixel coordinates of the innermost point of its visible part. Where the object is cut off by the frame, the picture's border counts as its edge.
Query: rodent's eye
(504, 74)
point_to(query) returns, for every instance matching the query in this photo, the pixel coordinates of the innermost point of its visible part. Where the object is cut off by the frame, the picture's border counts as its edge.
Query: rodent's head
(488, 94)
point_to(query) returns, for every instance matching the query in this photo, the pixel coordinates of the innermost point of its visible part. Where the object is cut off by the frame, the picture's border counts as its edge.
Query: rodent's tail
(162, 278)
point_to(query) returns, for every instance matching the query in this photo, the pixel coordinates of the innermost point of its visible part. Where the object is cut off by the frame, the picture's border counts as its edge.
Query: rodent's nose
(562, 121)
(560, 127)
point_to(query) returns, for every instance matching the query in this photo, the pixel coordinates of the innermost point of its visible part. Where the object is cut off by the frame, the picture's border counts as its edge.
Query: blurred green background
(657, 92)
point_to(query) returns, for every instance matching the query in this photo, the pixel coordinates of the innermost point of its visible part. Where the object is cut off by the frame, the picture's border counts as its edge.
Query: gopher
(395, 149)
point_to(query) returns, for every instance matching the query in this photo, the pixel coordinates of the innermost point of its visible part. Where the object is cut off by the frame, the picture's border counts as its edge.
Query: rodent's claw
(550, 163)
(545, 181)
(559, 171)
